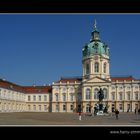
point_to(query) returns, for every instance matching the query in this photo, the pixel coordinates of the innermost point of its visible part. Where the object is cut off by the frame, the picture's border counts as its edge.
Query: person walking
(117, 113)
(80, 116)
(135, 111)
(139, 111)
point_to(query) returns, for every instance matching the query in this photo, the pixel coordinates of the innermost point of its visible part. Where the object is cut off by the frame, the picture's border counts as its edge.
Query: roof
(10, 85)
(47, 89)
(127, 78)
(25, 89)
(70, 80)
(37, 89)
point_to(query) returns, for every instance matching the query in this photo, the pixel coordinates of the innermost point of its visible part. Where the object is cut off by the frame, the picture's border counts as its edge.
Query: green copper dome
(95, 46)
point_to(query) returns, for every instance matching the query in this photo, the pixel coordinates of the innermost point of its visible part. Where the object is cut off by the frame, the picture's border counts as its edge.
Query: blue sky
(41, 48)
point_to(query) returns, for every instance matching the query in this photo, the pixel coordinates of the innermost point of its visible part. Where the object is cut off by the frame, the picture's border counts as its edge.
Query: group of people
(116, 111)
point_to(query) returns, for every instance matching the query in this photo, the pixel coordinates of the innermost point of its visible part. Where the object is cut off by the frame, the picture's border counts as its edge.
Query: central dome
(95, 47)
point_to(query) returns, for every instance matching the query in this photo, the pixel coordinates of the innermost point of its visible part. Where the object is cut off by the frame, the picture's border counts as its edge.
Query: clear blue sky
(40, 48)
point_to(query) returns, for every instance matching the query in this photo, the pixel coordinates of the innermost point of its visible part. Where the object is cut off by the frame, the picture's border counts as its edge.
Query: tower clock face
(96, 57)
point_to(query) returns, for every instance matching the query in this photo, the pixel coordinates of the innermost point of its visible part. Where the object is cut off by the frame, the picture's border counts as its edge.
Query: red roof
(37, 89)
(25, 89)
(130, 78)
(70, 80)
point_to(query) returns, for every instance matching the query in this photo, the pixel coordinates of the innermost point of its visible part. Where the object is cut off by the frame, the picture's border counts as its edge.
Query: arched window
(104, 67)
(105, 93)
(79, 97)
(87, 68)
(64, 97)
(113, 96)
(56, 96)
(96, 67)
(96, 93)
(128, 96)
(71, 97)
(87, 94)
(120, 96)
(136, 96)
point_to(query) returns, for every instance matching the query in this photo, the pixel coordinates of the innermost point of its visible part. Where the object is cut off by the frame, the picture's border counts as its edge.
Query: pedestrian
(139, 111)
(117, 113)
(135, 111)
(80, 116)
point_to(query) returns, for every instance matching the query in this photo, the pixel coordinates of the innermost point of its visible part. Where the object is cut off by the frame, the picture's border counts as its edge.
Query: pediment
(96, 80)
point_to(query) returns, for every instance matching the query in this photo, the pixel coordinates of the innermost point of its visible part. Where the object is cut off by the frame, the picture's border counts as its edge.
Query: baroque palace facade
(68, 94)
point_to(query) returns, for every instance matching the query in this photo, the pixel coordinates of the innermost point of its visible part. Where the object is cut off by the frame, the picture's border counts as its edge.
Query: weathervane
(95, 23)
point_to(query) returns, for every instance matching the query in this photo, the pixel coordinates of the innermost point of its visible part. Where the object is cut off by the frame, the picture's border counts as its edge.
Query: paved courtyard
(67, 119)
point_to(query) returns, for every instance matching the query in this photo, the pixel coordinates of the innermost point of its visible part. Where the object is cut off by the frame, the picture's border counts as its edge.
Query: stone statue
(101, 95)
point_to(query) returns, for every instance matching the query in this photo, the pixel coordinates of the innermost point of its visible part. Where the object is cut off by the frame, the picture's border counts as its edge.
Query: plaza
(67, 119)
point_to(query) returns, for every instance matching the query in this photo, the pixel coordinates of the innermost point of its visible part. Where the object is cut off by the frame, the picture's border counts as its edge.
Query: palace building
(70, 93)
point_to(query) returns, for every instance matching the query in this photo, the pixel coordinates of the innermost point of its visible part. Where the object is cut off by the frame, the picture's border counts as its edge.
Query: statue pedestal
(100, 113)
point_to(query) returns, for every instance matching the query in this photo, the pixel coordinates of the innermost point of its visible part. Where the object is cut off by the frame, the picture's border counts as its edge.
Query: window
(96, 67)
(45, 107)
(120, 107)
(57, 107)
(128, 96)
(136, 96)
(56, 96)
(39, 107)
(29, 107)
(45, 97)
(29, 98)
(120, 96)
(71, 88)
(104, 67)
(34, 98)
(105, 93)
(64, 107)
(96, 93)
(87, 68)
(113, 96)
(39, 97)
(128, 87)
(87, 94)
(34, 107)
(71, 107)
(71, 97)
(64, 97)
